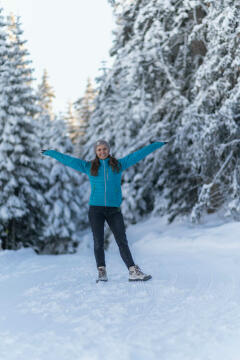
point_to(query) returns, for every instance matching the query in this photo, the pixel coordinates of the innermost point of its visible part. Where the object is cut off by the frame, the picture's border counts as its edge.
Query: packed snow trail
(52, 308)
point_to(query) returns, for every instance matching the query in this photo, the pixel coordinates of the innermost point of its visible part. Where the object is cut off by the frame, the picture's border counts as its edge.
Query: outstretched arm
(138, 155)
(75, 163)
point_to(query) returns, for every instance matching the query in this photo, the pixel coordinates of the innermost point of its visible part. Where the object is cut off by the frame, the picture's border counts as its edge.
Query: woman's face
(102, 151)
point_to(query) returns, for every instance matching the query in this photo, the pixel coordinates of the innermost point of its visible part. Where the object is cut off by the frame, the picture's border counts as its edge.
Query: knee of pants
(122, 241)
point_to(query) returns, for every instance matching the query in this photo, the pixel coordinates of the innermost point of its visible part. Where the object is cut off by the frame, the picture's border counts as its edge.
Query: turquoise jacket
(106, 186)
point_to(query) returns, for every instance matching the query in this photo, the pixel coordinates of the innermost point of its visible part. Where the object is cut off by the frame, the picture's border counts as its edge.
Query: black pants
(113, 215)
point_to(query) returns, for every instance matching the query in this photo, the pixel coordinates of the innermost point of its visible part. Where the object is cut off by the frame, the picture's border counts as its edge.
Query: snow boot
(102, 274)
(135, 274)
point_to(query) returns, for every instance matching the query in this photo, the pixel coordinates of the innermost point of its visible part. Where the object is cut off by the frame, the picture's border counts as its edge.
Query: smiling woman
(105, 173)
(69, 41)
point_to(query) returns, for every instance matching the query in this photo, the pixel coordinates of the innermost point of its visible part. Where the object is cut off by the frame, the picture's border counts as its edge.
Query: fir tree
(147, 89)
(3, 60)
(65, 212)
(62, 216)
(45, 96)
(72, 123)
(84, 108)
(20, 198)
(214, 153)
(45, 115)
(175, 77)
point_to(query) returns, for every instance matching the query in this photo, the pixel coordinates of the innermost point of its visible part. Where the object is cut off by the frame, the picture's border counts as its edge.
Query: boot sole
(145, 279)
(97, 281)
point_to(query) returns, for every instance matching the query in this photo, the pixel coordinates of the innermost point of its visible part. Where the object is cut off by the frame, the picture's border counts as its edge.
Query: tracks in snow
(189, 310)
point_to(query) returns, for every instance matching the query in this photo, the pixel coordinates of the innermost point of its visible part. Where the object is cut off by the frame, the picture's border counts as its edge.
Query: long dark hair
(116, 166)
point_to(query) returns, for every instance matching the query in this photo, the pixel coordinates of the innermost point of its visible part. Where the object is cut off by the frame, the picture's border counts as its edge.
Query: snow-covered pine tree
(147, 89)
(63, 209)
(210, 130)
(91, 135)
(84, 108)
(72, 122)
(180, 48)
(45, 120)
(46, 95)
(3, 60)
(199, 171)
(45, 116)
(66, 214)
(84, 144)
(77, 121)
(20, 198)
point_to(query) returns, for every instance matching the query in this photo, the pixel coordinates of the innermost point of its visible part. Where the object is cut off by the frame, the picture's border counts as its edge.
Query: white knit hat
(101, 142)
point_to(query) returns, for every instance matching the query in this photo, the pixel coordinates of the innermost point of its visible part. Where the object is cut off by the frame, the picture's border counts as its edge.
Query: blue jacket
(106, 186)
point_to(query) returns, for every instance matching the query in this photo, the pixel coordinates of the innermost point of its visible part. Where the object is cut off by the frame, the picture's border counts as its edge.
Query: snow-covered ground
(52, 309)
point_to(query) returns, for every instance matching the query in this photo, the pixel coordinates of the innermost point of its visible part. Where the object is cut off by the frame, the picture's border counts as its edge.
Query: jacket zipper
(105, 183)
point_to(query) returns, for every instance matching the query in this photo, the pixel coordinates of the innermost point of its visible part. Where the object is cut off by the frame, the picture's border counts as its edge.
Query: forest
(175, 77)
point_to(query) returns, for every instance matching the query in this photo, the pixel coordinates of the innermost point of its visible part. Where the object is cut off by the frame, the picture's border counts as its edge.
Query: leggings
(113, 215)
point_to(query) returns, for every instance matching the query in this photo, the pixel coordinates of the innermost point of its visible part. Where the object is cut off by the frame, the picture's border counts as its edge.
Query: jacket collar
(105, 161)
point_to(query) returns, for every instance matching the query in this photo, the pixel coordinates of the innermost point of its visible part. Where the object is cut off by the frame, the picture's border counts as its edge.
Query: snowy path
(52, 309)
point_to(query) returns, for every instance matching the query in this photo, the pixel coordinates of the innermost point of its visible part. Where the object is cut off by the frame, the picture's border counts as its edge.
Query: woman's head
(102, 152)
(102, 149)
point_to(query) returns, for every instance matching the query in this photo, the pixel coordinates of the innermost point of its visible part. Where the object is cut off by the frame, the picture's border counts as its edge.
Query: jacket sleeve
(75, 163)
(138, 155)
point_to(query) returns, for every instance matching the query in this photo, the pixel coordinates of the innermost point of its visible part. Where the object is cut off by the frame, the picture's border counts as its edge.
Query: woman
(104, 173)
